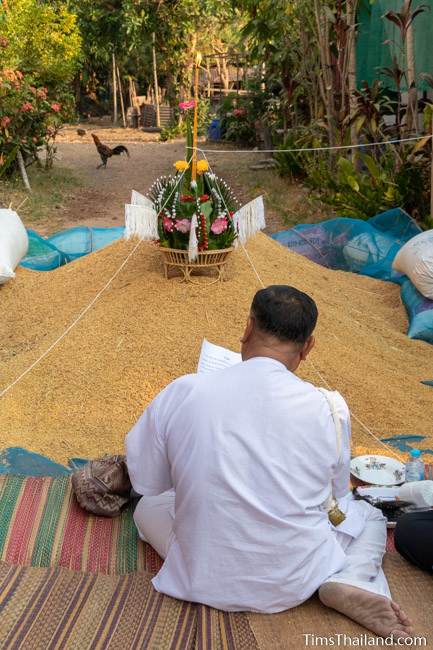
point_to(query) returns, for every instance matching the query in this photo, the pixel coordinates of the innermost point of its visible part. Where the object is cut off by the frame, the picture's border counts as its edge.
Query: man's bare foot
(377, 613)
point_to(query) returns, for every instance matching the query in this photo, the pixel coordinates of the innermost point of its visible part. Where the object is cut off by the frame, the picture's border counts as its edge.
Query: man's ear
(249, 328)
(307, 347)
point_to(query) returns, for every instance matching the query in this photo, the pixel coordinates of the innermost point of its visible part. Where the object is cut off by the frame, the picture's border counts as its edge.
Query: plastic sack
(366, 249)
(370, 248)
(415, 259)
(344, 244)
(13, 243)
(420, 312)
(214, 130)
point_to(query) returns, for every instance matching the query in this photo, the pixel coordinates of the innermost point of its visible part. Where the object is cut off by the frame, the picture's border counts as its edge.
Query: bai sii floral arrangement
(192, 210)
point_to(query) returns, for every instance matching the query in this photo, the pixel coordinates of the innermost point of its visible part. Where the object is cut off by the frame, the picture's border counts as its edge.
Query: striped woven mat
(42, 525)
(95, 592)
(58, 609)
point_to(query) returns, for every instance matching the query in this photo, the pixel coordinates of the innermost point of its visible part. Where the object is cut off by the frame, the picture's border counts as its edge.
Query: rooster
(106, 153)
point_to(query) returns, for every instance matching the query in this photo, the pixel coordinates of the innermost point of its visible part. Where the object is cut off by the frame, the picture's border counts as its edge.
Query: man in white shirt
(234, 468)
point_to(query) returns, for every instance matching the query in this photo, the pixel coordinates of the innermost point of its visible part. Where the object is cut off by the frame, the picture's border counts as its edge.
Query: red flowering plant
(30, 118)
(206, 203)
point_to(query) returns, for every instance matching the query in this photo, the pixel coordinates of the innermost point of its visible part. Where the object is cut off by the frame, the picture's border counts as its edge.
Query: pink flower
(239, 111)
(183, 225)
(167, 224)
(219, 225)
(26, 107)
(5, 121)
(184, 106)
(42, 93)
(55, 107)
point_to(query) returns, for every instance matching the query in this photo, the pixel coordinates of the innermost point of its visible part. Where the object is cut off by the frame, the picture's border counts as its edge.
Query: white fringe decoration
(249, 219)
(140, 199)
(193, 241)
(141, 221)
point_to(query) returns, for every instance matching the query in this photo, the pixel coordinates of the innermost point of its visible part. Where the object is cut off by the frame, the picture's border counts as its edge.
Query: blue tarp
(46, 254)
(369, 248)
(20, 461)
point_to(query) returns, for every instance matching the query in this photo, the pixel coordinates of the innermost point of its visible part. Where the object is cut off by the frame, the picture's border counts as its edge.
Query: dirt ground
(96, 197)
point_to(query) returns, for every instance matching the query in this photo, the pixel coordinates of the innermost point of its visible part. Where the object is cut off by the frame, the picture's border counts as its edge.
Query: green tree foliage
(43, 40)
(125, 27)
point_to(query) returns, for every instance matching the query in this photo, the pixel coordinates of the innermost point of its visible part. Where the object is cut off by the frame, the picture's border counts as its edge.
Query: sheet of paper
(384, 493)
(214, 357)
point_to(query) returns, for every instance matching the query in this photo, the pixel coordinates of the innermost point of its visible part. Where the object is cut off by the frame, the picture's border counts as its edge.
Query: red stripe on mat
(71, 555)
(101, 537)
(24, 520)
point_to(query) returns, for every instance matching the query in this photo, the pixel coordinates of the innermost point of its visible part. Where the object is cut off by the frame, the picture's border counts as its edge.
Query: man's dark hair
(285, 312)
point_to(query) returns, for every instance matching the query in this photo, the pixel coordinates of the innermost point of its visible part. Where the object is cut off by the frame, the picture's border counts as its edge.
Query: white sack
(14, 243)
(415, 259)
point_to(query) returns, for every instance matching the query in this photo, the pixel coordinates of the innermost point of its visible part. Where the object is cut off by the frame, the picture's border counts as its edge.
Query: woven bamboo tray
(214, 261)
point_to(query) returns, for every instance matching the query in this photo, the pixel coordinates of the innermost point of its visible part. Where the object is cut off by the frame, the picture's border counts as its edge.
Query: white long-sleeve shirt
(250, 451)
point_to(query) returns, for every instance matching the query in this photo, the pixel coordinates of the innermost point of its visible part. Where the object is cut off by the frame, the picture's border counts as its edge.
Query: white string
(241, 244)
(316, 370)
(364, 426)
(334, 148)
(116, 273)
(89, 306)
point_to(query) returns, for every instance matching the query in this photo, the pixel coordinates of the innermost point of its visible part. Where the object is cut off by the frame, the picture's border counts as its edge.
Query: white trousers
(364, 554)
(154, 517)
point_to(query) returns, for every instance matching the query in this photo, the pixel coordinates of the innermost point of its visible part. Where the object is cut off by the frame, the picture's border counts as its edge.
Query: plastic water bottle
(415, 467)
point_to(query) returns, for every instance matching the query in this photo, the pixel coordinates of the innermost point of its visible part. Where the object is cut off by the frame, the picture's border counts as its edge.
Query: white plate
(377, 470)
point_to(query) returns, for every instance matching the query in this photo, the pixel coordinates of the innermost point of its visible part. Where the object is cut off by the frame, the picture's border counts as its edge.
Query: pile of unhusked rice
(145, 331)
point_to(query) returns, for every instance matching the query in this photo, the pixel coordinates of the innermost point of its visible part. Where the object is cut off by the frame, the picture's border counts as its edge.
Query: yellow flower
(202, 166)
(181, 165)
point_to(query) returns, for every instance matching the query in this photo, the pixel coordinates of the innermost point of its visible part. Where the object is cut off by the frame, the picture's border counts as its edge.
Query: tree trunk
(431, 172)
(155, 82)
(326, 85)
(412, 101)
(122, 105)
(23, 171)
(114, 91)
(351, 8)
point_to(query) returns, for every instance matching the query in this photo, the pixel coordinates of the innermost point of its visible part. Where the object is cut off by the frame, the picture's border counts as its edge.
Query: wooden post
(122, 105)
(114, 91)
(23, 171)
(155, 82)
(195, 127)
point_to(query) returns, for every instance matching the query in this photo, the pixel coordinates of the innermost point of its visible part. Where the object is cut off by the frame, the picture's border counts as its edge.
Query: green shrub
(299, 164)
(30, 118)
(366, 186)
